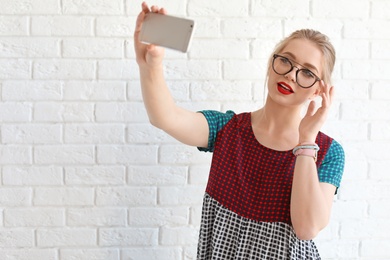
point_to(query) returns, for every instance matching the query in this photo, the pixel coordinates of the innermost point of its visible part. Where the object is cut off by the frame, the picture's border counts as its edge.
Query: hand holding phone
(167, 31)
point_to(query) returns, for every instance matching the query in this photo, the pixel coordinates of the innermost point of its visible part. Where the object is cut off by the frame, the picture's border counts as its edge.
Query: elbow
(306, 233)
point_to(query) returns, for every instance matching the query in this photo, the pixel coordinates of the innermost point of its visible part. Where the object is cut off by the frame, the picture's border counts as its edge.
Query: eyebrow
(307, 65)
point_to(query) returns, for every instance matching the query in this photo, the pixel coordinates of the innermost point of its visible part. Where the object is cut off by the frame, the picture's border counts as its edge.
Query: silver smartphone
(167, 31)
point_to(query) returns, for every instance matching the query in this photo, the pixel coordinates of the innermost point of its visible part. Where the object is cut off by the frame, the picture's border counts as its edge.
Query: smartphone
(167, 31)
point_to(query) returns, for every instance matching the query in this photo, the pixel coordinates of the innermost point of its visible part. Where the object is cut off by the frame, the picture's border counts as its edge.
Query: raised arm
(186, 126)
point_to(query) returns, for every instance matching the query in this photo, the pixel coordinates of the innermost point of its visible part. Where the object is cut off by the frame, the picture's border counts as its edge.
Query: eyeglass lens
(304, 77)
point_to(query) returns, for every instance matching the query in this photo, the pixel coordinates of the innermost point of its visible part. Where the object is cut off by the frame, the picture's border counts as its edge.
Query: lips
(284, 88)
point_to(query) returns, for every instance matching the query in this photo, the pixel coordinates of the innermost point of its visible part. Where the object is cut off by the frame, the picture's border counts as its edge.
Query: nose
(292, 74)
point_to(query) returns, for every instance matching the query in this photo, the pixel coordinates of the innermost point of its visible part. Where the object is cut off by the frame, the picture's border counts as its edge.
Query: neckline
(252, 133)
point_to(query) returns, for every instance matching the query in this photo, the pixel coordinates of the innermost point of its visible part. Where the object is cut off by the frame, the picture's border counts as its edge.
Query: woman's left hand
(314, 119)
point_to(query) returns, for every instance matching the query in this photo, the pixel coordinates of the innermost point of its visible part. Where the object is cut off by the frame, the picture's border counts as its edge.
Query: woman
(273, 174)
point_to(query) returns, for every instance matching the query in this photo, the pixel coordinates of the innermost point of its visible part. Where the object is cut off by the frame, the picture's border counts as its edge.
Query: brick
(367, 29)
(95, 90)
(333, 28)
(170, 253)
(324, 10)
(192, 70)
(17, 90)
(114, 7)
(251, 27)
(380, 50)
(126, 196)
(37, 217)
(377, 228)
(63, 69)
(156, 217)
(353, 190)
(179, 236)
(243, 70)
(173, 8)
(127, 154)
(28, 254)
(15, 197)
(379, 131)
(375, 248)
(379, 9)
(13, 154)
(65, 154)
(182, 155)
(121, 112)
(146, 133)
(15, 112)
(13, 25)
(95, 175)
(63, 112)
(128, 237)
(15, 69)
(66, 237)
(207, 8)
(16, 238)
(352, 89)
(378, 91)
(184, 195)
(284, 8)
(117, 69)
(94, 134)
(217, 49)
(198, 174)
(27, 47)
(221, 90)
(207, 27)
(349, 210)
(29, 7)
(32, 175)
(61, 26)
(92, 48)
(96, 217)
(31, 134)
(339, 249)
(59, 196)
(115, 26)
(379, 170)
(86, 254)
(379, 209)
(157, 175)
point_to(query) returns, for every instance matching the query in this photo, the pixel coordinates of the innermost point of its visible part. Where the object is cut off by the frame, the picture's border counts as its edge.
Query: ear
(317, 92)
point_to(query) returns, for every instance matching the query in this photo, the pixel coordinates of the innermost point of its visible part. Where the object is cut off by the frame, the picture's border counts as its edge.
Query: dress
(246, 206)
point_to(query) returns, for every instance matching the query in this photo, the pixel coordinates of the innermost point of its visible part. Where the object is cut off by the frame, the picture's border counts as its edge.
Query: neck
(276, 117)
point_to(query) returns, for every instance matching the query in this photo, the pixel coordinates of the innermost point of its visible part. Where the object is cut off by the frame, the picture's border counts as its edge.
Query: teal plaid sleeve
(332, 167)
(216, 120)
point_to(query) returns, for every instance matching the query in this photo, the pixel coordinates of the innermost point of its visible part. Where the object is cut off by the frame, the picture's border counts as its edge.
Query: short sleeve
(332, 167)
(216, 120)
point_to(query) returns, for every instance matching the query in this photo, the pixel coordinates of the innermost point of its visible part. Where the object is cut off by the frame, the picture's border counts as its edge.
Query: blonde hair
(321, 40)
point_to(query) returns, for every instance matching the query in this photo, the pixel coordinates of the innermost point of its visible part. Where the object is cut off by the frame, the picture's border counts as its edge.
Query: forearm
(157, 98)
(309, 206)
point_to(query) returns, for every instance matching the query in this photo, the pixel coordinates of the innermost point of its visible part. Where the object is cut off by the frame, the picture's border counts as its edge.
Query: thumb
(311, 108)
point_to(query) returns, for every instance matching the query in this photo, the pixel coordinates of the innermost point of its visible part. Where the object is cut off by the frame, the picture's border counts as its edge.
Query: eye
(284, 60)
(307, 73)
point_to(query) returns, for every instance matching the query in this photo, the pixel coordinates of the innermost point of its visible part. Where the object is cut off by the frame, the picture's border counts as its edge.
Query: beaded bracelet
(307, 150)
(306, 146)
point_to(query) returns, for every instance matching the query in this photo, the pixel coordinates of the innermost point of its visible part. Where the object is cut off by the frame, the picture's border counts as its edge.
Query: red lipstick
(285, 88)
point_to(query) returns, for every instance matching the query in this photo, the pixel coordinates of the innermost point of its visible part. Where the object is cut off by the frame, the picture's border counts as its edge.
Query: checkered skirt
(225, 235)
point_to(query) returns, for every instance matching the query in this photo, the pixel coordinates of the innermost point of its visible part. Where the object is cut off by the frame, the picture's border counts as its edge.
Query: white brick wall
(83, 175)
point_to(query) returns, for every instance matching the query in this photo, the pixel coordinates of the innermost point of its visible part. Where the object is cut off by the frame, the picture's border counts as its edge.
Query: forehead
(305, 53)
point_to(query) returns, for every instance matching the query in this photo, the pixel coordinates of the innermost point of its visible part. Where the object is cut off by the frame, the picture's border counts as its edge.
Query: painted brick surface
(83, 174)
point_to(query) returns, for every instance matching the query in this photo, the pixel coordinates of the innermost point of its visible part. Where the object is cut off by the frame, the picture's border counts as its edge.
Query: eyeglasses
(304, 77)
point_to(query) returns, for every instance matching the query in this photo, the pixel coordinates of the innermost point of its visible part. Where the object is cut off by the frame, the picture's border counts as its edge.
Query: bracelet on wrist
(307, 149)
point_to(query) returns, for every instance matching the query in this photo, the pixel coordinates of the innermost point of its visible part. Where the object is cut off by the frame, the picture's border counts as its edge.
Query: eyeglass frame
(292, 67)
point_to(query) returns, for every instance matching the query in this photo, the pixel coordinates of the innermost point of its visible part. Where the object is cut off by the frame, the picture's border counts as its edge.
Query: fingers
(327, 94)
